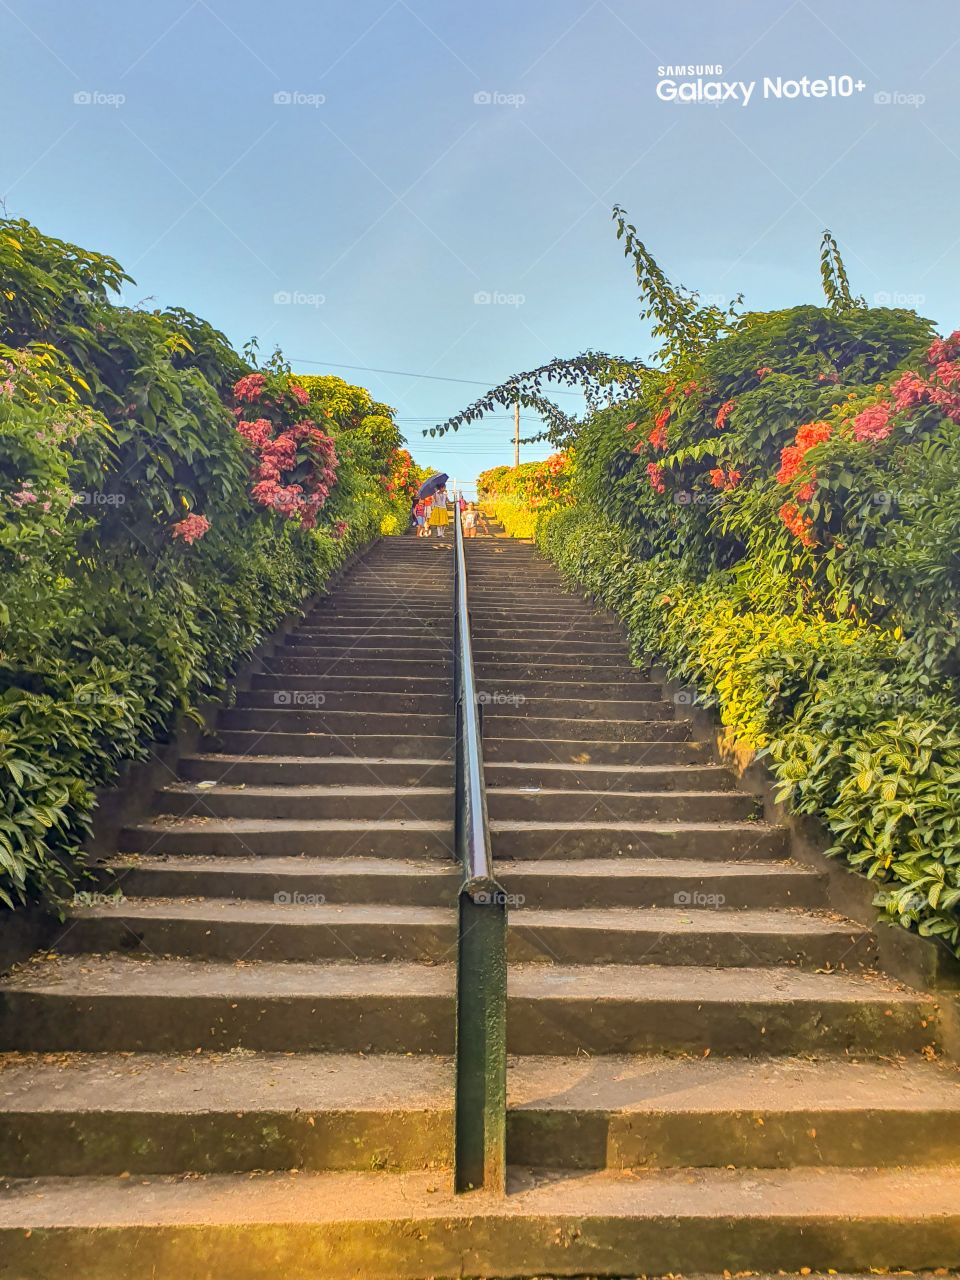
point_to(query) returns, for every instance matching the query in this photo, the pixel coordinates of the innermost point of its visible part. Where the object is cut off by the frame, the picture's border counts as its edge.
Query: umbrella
(432, 484)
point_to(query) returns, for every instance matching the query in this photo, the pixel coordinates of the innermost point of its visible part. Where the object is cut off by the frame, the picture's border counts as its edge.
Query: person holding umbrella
(435, 511)
(439, 516)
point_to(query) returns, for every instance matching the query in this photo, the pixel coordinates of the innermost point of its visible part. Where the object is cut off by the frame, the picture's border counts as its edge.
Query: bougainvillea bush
(163, 504)
(775, 513)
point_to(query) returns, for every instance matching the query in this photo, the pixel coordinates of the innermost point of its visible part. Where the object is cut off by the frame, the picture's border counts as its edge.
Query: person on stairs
(439, 516)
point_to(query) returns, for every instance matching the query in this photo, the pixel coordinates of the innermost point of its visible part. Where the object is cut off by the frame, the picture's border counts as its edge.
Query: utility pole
(516, 434)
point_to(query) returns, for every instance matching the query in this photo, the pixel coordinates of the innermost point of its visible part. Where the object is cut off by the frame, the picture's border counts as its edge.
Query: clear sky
(344, 179)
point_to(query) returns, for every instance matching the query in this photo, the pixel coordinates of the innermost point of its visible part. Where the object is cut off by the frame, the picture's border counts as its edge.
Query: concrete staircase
(243, 1067)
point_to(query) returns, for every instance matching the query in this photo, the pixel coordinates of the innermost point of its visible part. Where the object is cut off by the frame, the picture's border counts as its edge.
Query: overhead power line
(406, 373)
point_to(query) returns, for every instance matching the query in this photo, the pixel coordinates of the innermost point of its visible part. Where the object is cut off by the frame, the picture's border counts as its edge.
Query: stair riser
(574, 1244)
(645, 703)
(369, 746)
(326, 700)
(550, 891)
(362, 843)
(373, 647)
(564, 750)
(557, 945)
(649, 729)
(664, 1139)
(255, 940)
(521, 844)
(176, 1023)
(424, 1024)
(437, 666)
(268, 773)
(730, 806)
(174, 882)
(705, 778)
(407, 685)
(294, 720)
(70, 1144)
(406, 806)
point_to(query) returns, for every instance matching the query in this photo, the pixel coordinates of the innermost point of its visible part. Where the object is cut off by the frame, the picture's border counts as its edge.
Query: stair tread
(691, 920)
(796, 1195)
(697, 1085)
(666, 868)
(87, 976)
(225, 910)
(294, 865)
(155, 1082)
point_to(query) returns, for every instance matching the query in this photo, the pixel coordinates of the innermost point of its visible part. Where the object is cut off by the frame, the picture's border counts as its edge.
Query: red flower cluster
(791, 458)
(658, 437)
(300, 394)
(798, 524)
(190, 529)
(256, 433)
(724, 412)
(340, 529)
(690, 388)
(655, 472)
(944, 348)
(631, 426)
(662, 418)
(721, 479)
(763, 371)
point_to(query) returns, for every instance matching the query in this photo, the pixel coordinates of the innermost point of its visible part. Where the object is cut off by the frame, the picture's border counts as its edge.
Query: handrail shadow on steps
(481, 1012)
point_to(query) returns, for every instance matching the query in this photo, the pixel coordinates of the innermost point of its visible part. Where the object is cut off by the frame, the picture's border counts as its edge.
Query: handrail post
(480, 1120)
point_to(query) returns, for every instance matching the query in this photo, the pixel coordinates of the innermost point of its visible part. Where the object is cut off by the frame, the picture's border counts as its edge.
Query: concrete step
(296, 927)
(404, 1226)
(369, 803)
(687, 936)
(107, 1114)
(773, 1113)
(655, 724)
(364, 747)
(497, 749)
(369, 647)
(400, 881)
(612, 1009)
(551, 670)
(340, 771)
(541, 804)
(367, 700)
(172, 1005)
(326, 837)
(566, 648)
(555, 776)
(644, 703)
(515, 840)
(355, 683)
(291, 719)
(431, 664)
(642, 882)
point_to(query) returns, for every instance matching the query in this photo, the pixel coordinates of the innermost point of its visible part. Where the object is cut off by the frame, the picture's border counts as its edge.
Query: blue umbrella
(432, 484)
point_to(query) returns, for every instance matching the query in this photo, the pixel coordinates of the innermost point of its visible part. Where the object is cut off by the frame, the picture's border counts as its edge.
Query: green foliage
(136, 569)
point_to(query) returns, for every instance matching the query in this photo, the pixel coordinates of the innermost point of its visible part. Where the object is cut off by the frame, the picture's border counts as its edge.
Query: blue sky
(356, 222)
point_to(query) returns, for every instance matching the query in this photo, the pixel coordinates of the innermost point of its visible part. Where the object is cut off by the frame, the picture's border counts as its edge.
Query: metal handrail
(481, 1026)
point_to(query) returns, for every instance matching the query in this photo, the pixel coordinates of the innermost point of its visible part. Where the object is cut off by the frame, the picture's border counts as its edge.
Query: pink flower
(256, 433)
(6, 388)
(250, 388)
(944, 348)
(299, 393)
(23, 498)
(763, 371)
(190, 529)
(873, 424)
(909, 390)
(340, 528)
